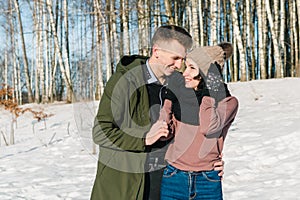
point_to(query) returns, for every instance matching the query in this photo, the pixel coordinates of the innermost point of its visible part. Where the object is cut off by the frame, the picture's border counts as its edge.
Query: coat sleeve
(213, 119)
(111, 127)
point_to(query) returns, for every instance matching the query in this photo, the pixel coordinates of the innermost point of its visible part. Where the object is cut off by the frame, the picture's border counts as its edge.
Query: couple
(144, 104)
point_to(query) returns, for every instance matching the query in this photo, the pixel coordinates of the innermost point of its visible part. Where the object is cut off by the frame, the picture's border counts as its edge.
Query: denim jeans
(185, 185)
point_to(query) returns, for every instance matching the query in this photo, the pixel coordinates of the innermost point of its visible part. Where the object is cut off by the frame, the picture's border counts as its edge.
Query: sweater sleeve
(214, 118)
(167, 115)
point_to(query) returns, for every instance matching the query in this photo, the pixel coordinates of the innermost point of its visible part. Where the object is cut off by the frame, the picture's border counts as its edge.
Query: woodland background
(53, 50)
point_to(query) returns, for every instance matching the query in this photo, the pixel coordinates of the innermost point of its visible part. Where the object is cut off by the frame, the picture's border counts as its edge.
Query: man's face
(169, 56)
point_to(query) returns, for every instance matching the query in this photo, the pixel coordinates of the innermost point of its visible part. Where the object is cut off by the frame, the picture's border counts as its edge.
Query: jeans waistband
(185, 171)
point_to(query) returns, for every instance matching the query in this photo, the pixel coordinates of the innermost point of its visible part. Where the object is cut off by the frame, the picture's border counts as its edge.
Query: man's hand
(219, 166)
(159, 129)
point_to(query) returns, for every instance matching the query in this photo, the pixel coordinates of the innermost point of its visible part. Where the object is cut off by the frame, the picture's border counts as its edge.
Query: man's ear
(155, 49)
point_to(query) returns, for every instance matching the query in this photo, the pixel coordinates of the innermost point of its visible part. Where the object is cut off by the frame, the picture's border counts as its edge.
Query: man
(126, 127)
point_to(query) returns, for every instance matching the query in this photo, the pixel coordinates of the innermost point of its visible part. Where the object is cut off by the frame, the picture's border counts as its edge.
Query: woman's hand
(219, 166)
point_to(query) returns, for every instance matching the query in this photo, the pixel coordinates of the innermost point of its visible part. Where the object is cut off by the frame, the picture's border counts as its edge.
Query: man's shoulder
(128, 69)
(128, 62)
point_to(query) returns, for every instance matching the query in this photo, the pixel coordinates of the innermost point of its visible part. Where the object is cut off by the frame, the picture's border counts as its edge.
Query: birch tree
(25, 59)
(125, 30)
(261, 52)
(213, 23)
(195, 22)
(143, 26)
(114, 41)
(63, 62)
(14, 77)
(100, 25)
(46, 93)
(201, 26)
(279, 71)
(169, 12)
(157, 10)
(282, 33)
(238, 39)
(296, 39)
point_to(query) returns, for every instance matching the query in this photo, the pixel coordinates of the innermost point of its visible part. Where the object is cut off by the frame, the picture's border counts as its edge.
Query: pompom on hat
(205, 55)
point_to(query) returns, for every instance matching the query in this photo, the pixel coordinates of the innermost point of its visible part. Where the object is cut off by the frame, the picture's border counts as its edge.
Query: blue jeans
(181, 185)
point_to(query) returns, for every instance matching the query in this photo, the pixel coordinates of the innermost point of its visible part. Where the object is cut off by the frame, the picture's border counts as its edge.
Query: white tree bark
(296, 39)
(25, 60)
(298, 14)
(99, 22)
(195, 23)
(13, 49)
(278, 63)
(46, 57)
(238, 38)
(63, 62)
(261, 52)
(168, 12)
(201, 26)
(282, 32)
(6, 71)
(213, 24)
(126, 41)
(115, 43)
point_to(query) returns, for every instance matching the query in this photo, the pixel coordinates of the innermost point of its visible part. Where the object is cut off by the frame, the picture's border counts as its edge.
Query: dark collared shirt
(156, 92)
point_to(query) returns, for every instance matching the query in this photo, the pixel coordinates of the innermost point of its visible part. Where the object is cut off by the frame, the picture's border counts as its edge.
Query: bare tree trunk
(114, 38)
(298, 19)
(155, 13)
(36, 52)
(279, 71)
(126, 41)
(282, 33)
(25, 60)
(261, 51)
(169, 12)
(39, 70)
(238, 38)
(201, 26)
(296, 39)
(67, 50)
(195, 23)
(13, 50)
(63, 62)
(6, 70)
(41, 52)
(52, 67)
(213, 24)
(20, 99)
(248, 35)
(46, 94)
(143, 29)
(98, 19)
(189, 17)
(275, 7)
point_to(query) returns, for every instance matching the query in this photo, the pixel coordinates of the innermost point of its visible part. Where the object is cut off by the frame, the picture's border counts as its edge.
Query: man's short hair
(172, 32)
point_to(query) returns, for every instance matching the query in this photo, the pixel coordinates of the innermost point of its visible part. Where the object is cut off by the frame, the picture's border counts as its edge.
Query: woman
(200, 132)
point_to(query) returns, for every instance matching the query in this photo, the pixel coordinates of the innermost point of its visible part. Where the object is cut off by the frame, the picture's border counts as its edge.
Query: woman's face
(190, 73)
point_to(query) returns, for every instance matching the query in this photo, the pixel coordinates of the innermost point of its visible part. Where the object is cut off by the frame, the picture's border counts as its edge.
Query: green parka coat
(120, 126)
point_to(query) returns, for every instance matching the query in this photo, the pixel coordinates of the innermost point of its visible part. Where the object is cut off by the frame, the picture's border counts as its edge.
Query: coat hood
(129, 62)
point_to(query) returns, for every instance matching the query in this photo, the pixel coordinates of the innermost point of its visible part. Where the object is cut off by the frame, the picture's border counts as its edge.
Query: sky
(54, 160)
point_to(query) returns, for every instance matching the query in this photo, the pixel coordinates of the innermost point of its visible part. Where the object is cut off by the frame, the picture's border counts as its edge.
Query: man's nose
(178, 63)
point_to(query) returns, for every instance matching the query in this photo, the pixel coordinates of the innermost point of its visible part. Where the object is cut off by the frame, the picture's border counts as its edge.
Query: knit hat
(204, 56)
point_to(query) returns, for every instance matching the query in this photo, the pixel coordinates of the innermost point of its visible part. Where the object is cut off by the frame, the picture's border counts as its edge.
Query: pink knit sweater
(197, 148)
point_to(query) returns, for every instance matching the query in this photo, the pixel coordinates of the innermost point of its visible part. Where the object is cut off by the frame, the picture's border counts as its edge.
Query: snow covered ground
(54, 160)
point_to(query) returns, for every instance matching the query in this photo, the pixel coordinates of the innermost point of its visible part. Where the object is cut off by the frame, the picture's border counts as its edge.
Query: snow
(54, 160)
